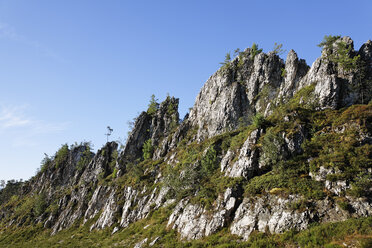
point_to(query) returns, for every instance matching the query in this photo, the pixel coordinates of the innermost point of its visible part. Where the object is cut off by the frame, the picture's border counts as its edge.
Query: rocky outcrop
(295, 69)
(236, 92)
(247, 164)
(137, 205)
(336, 87)
(255, 214)
(193, 221)
(277, 214)
(136, 139)
(99, 166)
(249, 84)
(155, 126)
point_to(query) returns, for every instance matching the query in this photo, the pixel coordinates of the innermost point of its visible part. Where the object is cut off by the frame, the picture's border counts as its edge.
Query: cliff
(269, 146)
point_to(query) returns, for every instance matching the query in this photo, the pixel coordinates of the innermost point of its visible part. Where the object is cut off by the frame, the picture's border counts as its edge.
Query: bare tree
(109, 131)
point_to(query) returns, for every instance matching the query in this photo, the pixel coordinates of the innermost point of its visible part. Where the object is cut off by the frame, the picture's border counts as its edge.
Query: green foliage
(225, 64)
(272, 143)
(183, 179)
(61, 156)
(255, 50)
(153, 105)
(113, 159)
(300, 205)
(286, 179)
(320, 235)
(133, 174)
(361, 185)
(147, 149)
(40, 204)
(339, 52)
(278, 49)
(45, 163)
(237, 141)
(209, 162)
(11, 189)
(171, 112)
(283, 73)
(259, 121)
(85, 157)
(328, 41)
(171, 109)
(343, 59)
(343, 204)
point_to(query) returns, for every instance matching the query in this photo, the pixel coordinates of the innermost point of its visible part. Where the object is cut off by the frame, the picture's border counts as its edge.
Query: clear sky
(70, 68)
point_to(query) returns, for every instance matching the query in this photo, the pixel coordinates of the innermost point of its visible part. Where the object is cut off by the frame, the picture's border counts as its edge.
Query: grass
(357, 231)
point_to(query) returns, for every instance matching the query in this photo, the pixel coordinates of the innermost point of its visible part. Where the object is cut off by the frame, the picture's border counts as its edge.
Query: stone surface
(247, 163)
(194, 221)
(274, 214)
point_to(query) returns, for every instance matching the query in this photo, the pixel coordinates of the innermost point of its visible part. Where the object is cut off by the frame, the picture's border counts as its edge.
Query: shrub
(341, 54)
(147, 149)
(45, 163)
(153, 106)
(209, 162)
(278, 50)
(40, 204)
(283, 72)
(225, 64)
(362, 185)
(61, 156)
(85, 158)
(259, 121)
(272, 144)
(327, 43)
(255, 50)
(182, 181)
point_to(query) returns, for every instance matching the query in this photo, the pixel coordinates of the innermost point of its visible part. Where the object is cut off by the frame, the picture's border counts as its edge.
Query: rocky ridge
(114, 189)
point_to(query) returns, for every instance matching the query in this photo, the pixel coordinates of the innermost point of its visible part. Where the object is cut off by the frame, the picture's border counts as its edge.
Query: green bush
(40, 204)
(85, 158)
(327, 42)
(255, 50)
(153, 106)
(209, 162)
(61, 156)
(339, 54)
(259, 121)
(272, 144)
(225, 64)
(147, 149)
(278, 49)
(45, 163)
(361, 185)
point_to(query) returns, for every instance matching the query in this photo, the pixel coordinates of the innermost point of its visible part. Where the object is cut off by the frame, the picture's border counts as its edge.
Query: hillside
(273, 153)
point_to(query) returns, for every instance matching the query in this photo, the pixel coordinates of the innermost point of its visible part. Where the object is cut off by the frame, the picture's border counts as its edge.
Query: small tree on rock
(153, 105)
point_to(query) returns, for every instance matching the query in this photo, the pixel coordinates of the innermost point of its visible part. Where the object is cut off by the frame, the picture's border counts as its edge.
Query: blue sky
(70, 68)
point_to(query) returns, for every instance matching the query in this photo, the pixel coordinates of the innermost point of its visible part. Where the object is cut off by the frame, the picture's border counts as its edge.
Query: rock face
(335, 86)
(154, 127)
(236, 92)
(104, 190)
(255, 214)
(247, 163)
(194, 221)
(295, 69)
(250, 85)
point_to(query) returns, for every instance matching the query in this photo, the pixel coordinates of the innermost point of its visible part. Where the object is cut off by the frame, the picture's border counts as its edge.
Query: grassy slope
(352, 231)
